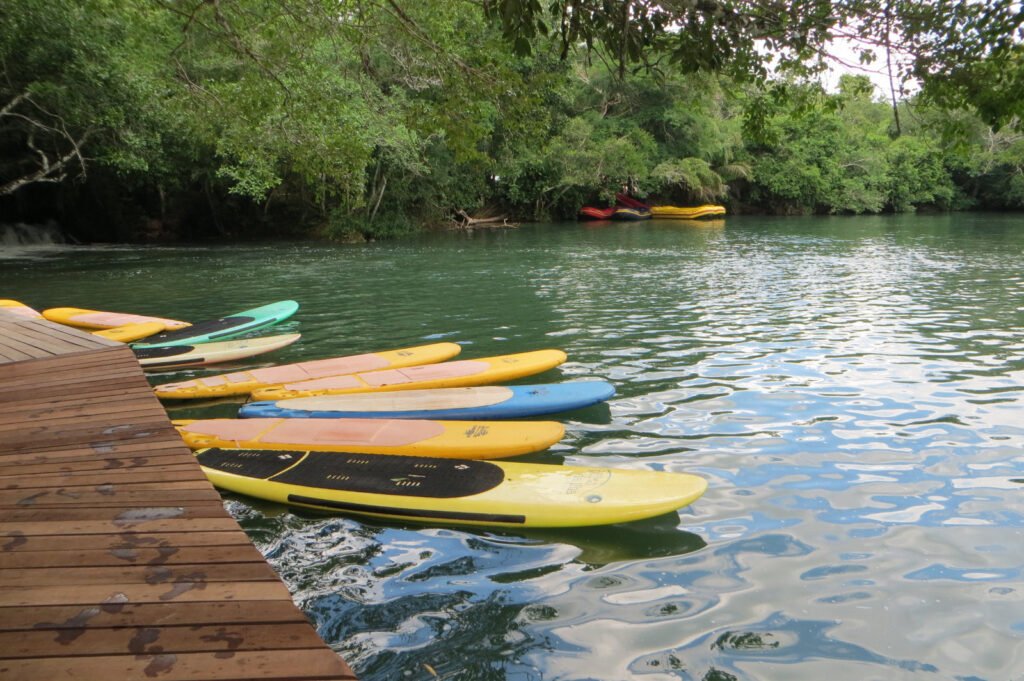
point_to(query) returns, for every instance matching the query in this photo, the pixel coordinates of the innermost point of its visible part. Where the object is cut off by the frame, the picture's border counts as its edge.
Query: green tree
(78, 86)
(917, 175)
(997, 167)
(827, 156)
(947, 44)
(590, 156)
(370, 118)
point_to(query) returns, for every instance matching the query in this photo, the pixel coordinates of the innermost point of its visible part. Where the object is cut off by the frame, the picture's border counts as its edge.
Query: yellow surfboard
(20, 309)
(679, 213)
(131, 332)
(443, 439)
(499, 493)
(244, 382)
(95, 319)
(463, 373)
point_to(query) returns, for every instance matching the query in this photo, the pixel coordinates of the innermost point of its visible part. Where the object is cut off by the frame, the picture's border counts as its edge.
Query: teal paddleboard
(223, 328)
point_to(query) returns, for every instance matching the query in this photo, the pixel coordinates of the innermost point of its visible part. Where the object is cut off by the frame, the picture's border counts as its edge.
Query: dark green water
(852, 388)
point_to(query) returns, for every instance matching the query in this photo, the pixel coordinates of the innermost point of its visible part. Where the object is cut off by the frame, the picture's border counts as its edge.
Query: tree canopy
(962, 51)
(191, 118)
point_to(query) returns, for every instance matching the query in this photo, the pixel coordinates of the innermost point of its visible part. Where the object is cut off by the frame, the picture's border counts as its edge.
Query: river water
(851, 388)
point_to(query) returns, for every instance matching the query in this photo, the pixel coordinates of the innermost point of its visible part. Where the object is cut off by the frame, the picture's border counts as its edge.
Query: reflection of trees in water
(403, 597)
(493, 630)
(718, 675)
(778, 639)
(747, 640)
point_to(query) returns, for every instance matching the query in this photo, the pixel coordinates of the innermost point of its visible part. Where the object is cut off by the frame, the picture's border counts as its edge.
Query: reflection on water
(851, 388)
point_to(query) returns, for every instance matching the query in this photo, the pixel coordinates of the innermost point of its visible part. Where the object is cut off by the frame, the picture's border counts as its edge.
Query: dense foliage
(190, 118)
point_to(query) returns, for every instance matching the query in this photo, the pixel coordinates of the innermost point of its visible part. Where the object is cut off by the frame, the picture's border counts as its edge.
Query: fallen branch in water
(466, 221)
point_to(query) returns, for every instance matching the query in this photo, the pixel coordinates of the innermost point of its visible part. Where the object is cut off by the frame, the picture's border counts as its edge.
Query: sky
(848, 62)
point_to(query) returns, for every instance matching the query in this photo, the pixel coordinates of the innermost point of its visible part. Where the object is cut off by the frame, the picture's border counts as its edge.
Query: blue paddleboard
(224, 328)
(485, 402)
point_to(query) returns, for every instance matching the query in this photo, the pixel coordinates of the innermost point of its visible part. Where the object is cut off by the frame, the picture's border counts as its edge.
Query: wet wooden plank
(104, 445)
(47, 338)
(51, 408)
(95, 450)
(163, 552)
(156, 464)
(255, 571)
(100, 443)
(120, 614)
(117, 558)
(142, 593)
(40, 347)
(36, 390)
(223, 639)
(29, 537)
(42, 438)
(77, 361)
(21, 339)
(291, 664)
(124, 517)
(139, 478)
(66, 404)
(100, 447)
(121, 526)
(58, 385)
(67, 357)
(14, 352)
(66, 401)
(105, 496)
(82, 427)
(32, 383)
(185, 478)
(44, 425)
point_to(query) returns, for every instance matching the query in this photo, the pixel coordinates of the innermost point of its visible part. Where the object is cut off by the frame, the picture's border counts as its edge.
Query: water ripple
(852, 389)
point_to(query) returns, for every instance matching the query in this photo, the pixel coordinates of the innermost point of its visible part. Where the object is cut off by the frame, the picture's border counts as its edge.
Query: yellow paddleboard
(244, 382)
(463, 373)
(131, 332)
(20, 309)
(677, 213)
(443, 439)
(460, 492)
(95, 319)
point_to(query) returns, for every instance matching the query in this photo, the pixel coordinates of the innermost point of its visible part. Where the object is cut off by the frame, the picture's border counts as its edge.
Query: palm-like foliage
(697, 179)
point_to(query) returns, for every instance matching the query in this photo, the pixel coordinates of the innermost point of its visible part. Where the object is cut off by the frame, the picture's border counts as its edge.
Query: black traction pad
(162, 351)
(199, 329)
(409, 476)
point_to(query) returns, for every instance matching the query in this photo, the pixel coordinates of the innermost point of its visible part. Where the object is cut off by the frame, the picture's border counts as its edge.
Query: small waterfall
(20, 234)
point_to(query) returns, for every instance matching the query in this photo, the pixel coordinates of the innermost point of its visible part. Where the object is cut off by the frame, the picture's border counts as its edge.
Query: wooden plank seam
(117, 557)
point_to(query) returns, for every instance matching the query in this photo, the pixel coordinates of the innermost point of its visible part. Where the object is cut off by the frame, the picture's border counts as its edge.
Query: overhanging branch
(48, 166)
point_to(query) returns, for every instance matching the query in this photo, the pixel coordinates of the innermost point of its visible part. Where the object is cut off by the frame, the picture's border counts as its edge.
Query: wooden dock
(117, 558)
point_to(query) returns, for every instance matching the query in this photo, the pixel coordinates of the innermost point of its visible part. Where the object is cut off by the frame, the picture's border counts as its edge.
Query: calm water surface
(852, 389)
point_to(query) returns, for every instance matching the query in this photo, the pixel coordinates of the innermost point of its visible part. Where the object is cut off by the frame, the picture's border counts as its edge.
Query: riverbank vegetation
(167, 119)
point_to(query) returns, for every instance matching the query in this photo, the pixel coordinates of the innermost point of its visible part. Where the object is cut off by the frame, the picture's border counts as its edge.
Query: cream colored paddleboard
(244, 382)
(443, 439)
(95, 319)
(177, 356)
(459, 374)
